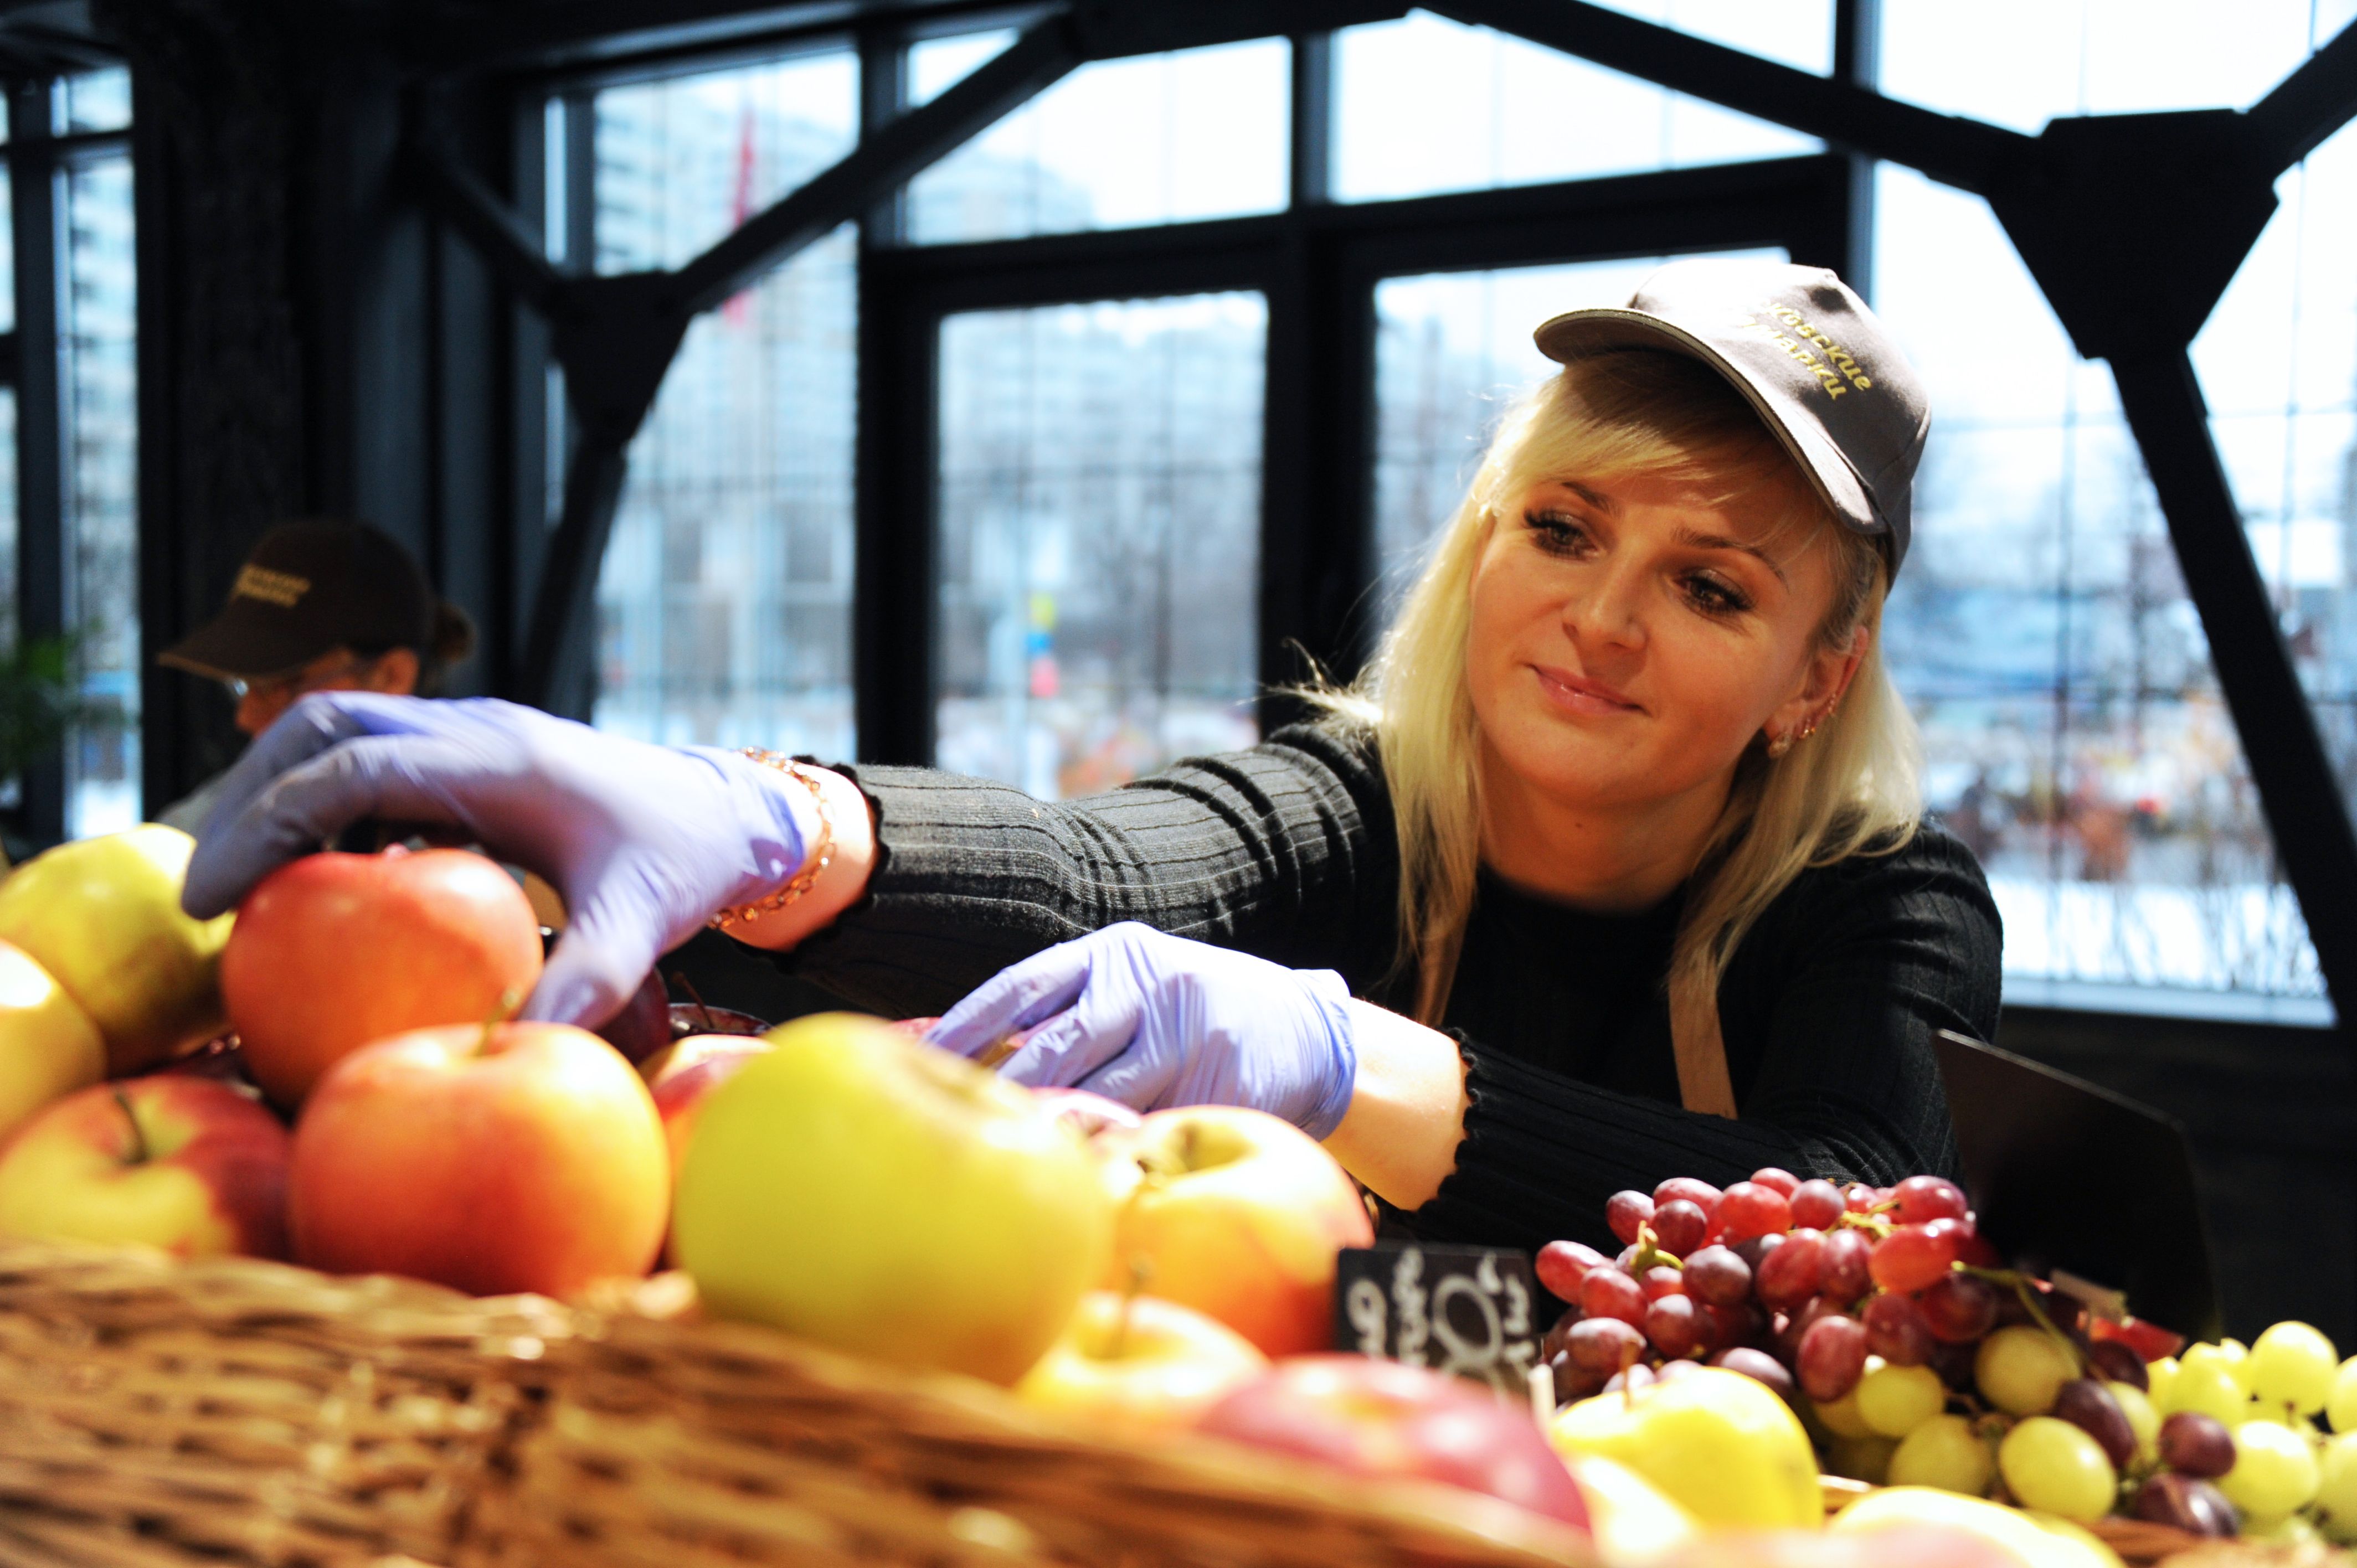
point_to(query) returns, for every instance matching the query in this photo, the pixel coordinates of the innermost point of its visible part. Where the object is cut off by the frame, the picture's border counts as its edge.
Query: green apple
(2032, 1540)
(881, 1195)
(102, 916)
(48, 1046)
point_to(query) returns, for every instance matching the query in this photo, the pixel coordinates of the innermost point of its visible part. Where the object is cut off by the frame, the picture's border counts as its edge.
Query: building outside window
(725, 601)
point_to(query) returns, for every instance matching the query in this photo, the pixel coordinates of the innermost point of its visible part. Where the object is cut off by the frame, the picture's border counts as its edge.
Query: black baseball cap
(308, 587)
(1804, 350)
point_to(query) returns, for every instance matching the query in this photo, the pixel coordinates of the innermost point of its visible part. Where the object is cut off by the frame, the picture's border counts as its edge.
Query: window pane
(2076, 736)
(724, 597)
(97, 101)
(1426, 105)
(2097, 57)
(936, 65)
(683, 161)
(1099, 518)
(102, 492)
(1453, 351)
(1159, 139)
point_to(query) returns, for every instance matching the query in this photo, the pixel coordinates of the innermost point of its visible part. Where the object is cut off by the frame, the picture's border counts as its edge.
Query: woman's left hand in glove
(1154, 1020)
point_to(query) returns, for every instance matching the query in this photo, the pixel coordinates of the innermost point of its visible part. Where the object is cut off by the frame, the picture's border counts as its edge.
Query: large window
(1425, 104)
(724, 601)
(1160, 139)
(1100, 538)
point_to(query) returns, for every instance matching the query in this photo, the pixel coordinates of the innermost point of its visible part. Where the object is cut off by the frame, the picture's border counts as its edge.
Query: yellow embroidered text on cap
(281, 588)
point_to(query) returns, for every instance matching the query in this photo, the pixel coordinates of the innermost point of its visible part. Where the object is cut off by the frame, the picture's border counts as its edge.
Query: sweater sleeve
(1285, 850)
(1828, 1011)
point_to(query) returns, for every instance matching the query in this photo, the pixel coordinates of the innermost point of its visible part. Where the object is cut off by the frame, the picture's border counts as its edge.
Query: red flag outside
(739, 308)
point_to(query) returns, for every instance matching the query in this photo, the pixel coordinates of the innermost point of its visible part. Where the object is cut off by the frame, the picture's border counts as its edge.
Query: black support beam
(2298, 790)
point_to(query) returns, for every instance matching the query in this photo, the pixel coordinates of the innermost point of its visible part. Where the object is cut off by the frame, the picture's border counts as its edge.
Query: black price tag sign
(1471, 1312)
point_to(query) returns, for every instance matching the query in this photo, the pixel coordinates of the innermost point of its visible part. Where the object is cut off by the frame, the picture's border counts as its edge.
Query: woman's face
(1630, 638)
(259, 702)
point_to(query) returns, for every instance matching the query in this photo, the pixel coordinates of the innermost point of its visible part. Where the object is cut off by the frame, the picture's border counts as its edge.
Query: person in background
(320, 605)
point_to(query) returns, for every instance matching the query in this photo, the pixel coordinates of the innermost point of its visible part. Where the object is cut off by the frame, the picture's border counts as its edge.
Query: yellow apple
(1633, 1521)
(1238, 1215)
(189, 1165)
(1720, 1444)
(102, 916)
(2031, 1540)
(1139, 1360)
(48, 1046)
(884, 1196)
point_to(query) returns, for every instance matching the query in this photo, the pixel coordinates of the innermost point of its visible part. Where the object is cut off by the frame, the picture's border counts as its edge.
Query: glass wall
(1100, 538)
(97, 334)
(724, 599)
(1423, 104)
(2077, 734)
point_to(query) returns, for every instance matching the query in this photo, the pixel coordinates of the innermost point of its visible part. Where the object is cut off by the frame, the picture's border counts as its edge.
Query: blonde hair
(1854, 788)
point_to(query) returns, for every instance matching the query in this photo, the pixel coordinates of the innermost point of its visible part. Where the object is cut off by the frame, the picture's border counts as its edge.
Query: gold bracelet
(812, 869)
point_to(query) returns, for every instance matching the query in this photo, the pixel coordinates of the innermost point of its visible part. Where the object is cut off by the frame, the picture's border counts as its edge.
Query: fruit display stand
(160, 1414)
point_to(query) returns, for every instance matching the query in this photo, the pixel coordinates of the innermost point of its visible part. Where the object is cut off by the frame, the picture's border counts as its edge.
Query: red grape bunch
(1891, 1324)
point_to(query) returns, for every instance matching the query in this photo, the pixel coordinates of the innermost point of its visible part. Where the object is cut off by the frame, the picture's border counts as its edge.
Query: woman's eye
(1713, 596)
(1557, 534)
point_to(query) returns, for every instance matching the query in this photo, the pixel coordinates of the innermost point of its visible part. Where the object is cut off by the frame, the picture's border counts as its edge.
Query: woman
(318, 606)
(1627, 806)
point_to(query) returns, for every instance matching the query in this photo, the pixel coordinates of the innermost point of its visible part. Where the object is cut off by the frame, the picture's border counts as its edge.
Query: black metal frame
(32, 362)
(2075, 199)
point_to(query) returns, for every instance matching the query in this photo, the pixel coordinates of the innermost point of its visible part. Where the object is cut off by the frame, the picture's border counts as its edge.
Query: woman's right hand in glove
(645, 842)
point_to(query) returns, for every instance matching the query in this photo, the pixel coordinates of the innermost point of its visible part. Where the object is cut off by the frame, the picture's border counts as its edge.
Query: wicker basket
(154, 1412)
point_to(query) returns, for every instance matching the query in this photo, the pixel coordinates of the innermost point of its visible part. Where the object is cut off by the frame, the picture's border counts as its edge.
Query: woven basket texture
(156, 1413)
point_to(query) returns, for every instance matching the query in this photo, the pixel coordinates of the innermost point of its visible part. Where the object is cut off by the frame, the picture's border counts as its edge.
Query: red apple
(680, 1074)
(1388, 1420)
(186, 1163)
(1238, 1215)
(331, 951)
(494, 1159)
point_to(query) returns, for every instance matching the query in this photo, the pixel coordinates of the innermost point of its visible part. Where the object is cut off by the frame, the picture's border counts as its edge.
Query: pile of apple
(376, 1110)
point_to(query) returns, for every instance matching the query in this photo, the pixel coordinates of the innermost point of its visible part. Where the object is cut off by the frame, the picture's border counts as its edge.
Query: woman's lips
(1578, 694)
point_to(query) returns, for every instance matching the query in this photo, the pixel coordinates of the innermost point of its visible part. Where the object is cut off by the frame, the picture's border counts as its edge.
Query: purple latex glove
(1154, 1020)
(644, 842)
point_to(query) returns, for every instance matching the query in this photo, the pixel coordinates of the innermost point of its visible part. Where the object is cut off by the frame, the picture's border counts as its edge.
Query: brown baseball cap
(1804, 350)
(308, 587)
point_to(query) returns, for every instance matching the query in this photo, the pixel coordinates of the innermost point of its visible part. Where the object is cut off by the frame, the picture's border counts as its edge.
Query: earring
(1778, 744)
